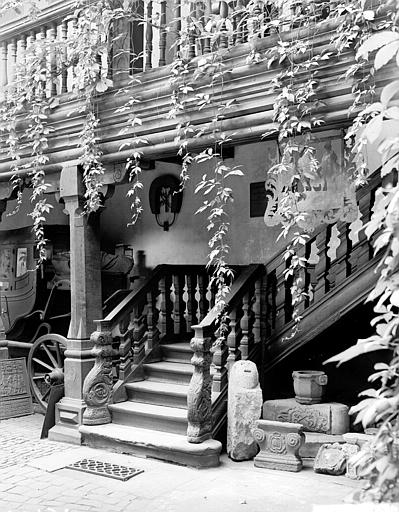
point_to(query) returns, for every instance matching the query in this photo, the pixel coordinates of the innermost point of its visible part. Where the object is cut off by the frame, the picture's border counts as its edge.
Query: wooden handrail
(142, 290)
(237, 291)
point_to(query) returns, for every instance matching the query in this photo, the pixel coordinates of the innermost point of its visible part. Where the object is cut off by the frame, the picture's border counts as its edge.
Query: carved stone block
(328, 418)
(244, 408)
(356, 442)
(279, 445)
(332, 458)
(15, 395)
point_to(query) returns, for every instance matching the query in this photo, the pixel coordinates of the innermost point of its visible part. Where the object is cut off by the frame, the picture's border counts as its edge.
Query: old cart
(35, 304)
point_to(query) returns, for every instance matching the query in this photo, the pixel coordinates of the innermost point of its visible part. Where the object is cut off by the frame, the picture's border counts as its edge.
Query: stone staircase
(164, 399)
(152, 422)
(159, 402)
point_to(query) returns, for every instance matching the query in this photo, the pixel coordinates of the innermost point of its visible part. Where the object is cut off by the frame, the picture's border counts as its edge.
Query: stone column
(86, 305)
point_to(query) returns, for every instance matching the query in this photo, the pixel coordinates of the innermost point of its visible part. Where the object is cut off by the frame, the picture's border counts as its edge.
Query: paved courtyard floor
(33, 478)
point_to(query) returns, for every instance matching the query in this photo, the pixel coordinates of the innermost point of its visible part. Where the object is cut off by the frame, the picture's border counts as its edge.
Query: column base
(68, 418)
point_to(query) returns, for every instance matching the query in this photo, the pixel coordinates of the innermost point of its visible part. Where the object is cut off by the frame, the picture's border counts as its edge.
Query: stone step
(166, 371)
(158, 393)
(152, 417)
(177, 352)
(149, 443)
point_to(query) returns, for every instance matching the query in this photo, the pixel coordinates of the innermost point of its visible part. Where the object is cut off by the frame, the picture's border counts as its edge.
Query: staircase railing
(169, 302)
(338, 276)
(239, 337)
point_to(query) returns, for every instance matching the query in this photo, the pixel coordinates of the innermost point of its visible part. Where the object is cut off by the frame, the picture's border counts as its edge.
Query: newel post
(199, 395)
(97, 386)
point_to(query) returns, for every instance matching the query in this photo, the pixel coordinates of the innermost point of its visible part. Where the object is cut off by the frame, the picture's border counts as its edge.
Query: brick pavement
(33, 478)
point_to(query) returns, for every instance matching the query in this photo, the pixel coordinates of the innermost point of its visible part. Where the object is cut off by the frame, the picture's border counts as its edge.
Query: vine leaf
(389, 91)
(375, 42)
(385, 54)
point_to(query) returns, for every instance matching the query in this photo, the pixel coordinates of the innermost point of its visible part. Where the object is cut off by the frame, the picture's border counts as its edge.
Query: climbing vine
(298, 112)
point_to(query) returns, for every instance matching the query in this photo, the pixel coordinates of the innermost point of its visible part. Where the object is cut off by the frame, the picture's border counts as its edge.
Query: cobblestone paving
(33, 478)
(28, 489)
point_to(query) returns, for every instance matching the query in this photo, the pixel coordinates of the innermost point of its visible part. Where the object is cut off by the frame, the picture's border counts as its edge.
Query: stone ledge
(152, 444)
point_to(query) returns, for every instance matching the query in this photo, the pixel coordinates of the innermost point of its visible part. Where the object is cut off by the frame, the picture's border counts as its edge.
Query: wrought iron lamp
(166, 199)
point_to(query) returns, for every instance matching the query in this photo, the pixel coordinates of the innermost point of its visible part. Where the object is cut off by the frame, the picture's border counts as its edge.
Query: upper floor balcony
(227, 40)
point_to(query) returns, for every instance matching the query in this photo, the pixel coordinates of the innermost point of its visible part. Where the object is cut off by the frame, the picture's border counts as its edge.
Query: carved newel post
(97, 387)
(199, 413)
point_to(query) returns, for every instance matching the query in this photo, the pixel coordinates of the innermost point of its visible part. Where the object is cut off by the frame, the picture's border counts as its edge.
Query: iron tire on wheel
(46, 366)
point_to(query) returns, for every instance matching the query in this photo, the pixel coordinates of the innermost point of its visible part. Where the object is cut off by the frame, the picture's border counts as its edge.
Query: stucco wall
(186, 242)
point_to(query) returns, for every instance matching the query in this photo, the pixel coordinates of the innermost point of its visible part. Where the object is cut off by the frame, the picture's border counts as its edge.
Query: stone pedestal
(243, 410)
(86, 305)
(329, 418)
(279, 445)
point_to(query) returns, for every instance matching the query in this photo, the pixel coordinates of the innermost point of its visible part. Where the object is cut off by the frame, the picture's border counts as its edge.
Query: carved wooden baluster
(178, 306)
(223, 40)
(166, 305)
(256, 23)
(177, 27)
(211, 294)
(219, 377)
(162, 35)
(341, 270)
(53, 63)
(207, 14)
(360, 249)
(245, 325)
(199, 406)
(138, 332)
(152, 319)
(12, 60)
(190, 316)
(203, 301)
(320, 270)
(280, 320)
(3, 69)
(97, 386)
(64, 72)
(22, 56)
(191, 31)
(270, 302)
(199, 17)
(334, 242)
(257, 311)
(44, 82)
(125, 333)
(301, 275)
(233, 338)
(312, 260)
(148, 37)
(238, 16)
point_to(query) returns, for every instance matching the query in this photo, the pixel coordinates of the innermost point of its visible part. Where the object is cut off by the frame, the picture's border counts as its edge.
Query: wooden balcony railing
(150, 41)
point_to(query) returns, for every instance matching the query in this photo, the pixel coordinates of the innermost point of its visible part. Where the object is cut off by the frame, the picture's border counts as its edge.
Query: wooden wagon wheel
(46, 366)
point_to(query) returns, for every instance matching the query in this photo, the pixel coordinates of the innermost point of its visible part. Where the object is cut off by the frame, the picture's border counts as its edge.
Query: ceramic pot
(309, 386)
